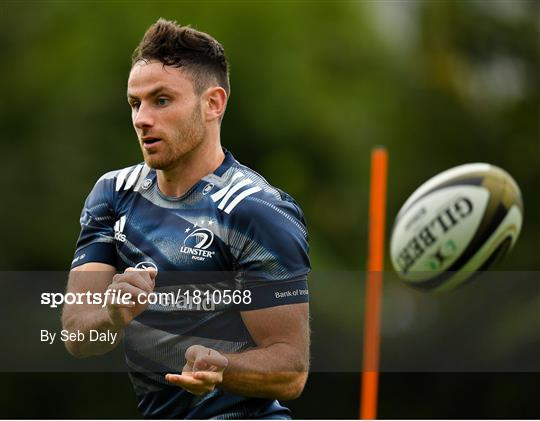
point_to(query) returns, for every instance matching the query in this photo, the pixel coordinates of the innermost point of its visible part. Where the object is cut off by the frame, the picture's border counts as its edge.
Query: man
(227, 251)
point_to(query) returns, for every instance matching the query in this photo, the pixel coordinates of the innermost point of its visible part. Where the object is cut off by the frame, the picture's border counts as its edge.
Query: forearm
(85, 320)
(277, 371)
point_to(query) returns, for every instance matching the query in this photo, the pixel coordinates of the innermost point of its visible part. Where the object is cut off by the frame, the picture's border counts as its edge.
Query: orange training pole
(372, 314)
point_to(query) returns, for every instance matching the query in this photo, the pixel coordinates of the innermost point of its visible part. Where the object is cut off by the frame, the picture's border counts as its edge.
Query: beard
(186, 138)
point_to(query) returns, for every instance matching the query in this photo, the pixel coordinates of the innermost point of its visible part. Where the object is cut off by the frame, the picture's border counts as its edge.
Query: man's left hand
(203, 370)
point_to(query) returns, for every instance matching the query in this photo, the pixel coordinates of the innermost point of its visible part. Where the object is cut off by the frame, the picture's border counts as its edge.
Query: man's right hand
(135, 282)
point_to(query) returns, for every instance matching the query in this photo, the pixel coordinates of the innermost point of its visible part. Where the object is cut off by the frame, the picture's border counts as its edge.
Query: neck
(200, 162)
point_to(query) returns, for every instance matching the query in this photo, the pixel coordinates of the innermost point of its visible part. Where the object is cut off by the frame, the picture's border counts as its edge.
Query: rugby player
(192, 220)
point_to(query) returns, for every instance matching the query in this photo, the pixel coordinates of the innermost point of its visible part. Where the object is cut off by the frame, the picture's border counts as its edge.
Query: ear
(214, 103)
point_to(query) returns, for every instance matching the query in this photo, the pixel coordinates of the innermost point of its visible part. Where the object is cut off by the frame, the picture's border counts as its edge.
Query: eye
(162, 101)
(134, 105)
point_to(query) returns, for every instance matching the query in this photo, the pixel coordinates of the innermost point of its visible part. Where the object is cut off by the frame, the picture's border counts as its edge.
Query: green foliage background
(315, 85)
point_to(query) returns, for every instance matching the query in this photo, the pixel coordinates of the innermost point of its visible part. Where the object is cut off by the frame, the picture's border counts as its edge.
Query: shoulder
(115, 182)
(113, 186)
(128, 178)
(265, 227)
(247, 199)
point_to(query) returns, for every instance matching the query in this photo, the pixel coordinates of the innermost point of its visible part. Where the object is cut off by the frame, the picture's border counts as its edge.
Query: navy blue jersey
(232, 243)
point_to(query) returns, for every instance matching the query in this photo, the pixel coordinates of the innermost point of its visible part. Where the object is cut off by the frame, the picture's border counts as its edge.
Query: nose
(142, 117)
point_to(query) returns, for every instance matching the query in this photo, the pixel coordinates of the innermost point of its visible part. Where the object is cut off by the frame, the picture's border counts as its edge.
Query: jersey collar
(227, 163)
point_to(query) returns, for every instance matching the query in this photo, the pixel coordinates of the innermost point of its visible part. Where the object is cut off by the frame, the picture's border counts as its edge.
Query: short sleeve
(96, 240)
(272, 252)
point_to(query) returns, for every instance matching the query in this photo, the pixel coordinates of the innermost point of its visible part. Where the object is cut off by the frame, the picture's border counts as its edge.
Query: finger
(117, 278)
(152, 272)
(193, 386)
(132, 279)
(183, 380)
(139, 278)
(211, 358)
(200, 364)
(208, 377)
(131, 304)
(126, 288)
(193, 351)
(116, 295)
(188, 367)
(147, 275)
(206, 355)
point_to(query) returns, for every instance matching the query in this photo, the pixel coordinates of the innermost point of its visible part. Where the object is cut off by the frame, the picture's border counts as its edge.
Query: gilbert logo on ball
(457, 223)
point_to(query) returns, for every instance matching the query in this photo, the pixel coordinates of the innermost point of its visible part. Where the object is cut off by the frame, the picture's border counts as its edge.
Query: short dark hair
(198, 53)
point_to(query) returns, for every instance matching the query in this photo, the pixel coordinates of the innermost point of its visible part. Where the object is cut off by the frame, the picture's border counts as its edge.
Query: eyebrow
(152, 93)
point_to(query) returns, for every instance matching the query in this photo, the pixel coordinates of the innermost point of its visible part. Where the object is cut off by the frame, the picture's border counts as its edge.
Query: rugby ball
(455, 224)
